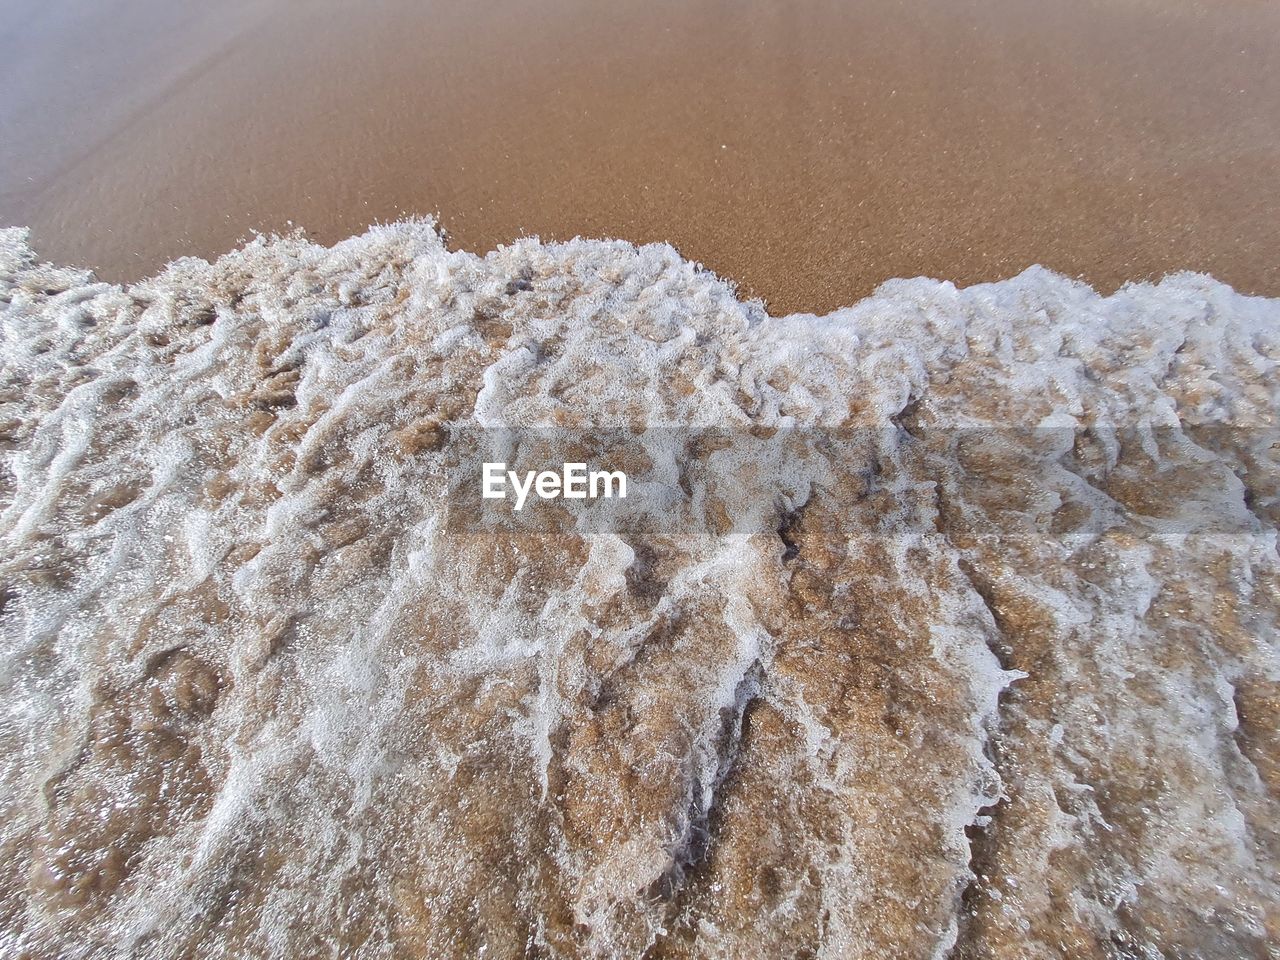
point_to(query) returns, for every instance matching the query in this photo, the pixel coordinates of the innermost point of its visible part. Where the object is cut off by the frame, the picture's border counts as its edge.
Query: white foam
(277, 681)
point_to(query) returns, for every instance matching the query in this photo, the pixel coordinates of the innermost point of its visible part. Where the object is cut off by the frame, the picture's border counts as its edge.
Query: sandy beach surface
(944, 624)
(806, 151)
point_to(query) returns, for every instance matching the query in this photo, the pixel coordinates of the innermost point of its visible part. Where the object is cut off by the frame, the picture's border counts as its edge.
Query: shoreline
(261, 244)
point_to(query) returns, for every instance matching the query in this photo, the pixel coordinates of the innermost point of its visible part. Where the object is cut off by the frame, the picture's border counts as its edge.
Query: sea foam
(988, 668)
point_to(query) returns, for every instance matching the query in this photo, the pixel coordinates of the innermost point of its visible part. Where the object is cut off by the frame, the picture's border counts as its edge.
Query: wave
(263, 696)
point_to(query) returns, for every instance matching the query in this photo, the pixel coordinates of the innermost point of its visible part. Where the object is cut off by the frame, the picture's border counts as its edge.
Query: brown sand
(808, 151)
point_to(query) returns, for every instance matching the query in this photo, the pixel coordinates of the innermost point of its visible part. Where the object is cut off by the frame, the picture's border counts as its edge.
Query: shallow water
(262, 696)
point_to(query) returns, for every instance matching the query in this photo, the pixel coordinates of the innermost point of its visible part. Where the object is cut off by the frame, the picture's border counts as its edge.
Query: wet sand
(807, 151)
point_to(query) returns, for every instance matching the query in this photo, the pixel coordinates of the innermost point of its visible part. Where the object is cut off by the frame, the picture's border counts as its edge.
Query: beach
(708, 481)
(807, 152)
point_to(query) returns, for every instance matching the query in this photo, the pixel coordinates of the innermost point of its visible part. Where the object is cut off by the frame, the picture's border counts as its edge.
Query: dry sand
(807, 151)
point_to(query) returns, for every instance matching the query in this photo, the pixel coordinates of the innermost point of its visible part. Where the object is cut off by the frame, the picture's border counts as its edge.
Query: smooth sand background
(808, 151)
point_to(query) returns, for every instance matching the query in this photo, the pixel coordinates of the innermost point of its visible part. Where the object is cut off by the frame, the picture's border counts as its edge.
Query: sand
(806, 151)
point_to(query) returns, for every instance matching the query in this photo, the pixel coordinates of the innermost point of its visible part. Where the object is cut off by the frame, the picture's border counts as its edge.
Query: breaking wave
(262, 696)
